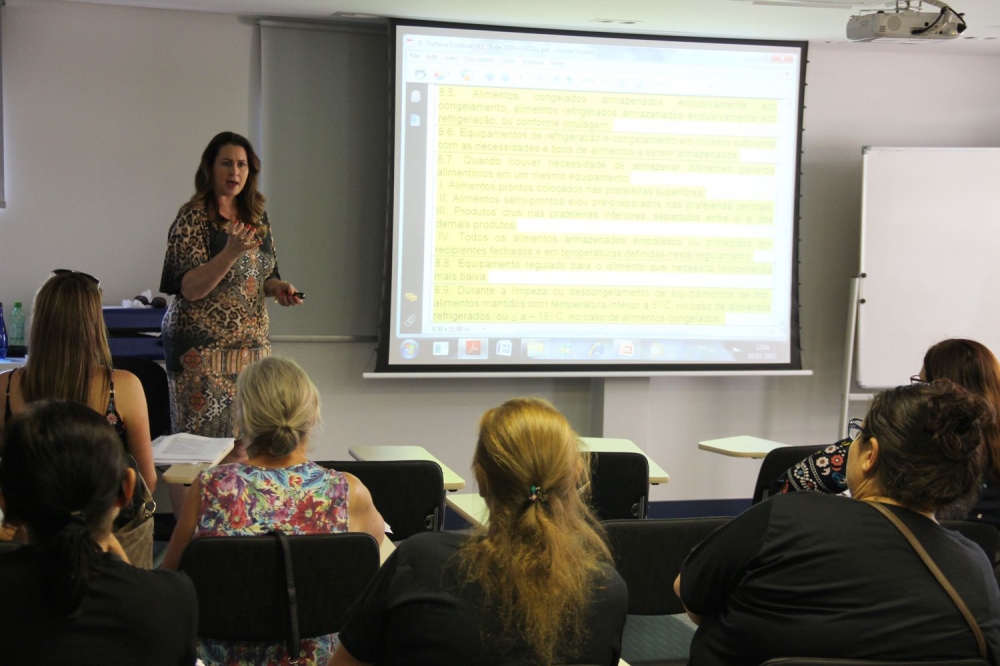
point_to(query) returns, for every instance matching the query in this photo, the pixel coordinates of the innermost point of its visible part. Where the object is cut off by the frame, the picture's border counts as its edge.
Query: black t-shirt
(415, 612)
(808, 575)
(129, 616)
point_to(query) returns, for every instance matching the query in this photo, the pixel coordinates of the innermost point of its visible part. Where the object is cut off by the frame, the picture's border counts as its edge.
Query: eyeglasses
(67, 271)
(855, 428)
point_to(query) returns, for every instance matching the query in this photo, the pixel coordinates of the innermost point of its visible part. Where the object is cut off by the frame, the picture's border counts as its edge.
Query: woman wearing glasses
(970, 365)
(70, 360)
(220, 265)
(811, 575)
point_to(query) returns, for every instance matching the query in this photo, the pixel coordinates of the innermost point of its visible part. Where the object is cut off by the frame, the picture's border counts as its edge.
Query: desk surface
(742, 446)
(470, 506)
(452, 481)
(186, 473)
(612, 445)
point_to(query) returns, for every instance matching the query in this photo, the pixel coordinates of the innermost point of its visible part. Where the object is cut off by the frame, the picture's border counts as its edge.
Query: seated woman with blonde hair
(70, 360)
(276, 488)
(535, 586)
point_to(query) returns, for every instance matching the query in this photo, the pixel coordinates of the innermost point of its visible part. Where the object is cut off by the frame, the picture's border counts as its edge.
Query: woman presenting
(220, 264)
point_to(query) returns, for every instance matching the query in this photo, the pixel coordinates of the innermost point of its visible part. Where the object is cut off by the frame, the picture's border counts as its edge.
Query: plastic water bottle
(16, 337)
(3, 335)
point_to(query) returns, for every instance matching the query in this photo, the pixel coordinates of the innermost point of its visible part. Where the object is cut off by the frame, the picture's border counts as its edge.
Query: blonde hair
(276, 406)
(539, 561)
(68, 340)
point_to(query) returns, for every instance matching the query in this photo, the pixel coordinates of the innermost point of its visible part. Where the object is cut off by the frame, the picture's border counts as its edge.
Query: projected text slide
(598, 208)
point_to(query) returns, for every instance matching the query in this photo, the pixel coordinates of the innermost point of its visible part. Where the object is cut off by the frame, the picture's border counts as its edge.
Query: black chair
(775, 463)
(408, 493)
(153, 378)
(8, 547)
(984, 534)
(817, 661)
(648, 555)
(619, 485)
(329, 571)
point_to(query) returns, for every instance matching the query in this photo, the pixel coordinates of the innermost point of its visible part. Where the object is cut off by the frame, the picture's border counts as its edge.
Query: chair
(8, 547)
(983, 534)
(619, 485)
(153, 378)
(648, 555)
(330, 572)
(775, 463)
(818, 661)
(408, 493)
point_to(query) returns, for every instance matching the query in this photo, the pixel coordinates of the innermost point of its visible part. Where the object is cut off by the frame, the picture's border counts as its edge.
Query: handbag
(134, 525)
(938, 574)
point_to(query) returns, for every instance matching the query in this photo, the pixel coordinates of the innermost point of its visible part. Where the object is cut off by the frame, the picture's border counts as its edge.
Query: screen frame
(383, 367)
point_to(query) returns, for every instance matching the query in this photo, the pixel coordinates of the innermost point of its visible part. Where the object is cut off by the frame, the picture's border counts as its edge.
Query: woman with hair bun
(967, 363)
(535, 586)
(69, 597)
(813, 575)
(277, 488)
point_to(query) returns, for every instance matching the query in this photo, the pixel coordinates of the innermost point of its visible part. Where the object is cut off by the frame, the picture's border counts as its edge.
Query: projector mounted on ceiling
(907, 23)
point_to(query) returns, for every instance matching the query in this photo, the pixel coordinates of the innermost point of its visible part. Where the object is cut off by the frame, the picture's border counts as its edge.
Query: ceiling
(815, 20)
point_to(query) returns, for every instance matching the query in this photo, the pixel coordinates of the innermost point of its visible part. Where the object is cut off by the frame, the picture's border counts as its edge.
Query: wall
(107, 110)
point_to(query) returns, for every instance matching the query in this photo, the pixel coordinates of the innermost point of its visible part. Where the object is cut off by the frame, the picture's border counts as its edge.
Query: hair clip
(536, 494)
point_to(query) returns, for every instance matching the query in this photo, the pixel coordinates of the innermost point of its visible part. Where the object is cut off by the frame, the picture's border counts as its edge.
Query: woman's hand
(242, 238)
(284, 294)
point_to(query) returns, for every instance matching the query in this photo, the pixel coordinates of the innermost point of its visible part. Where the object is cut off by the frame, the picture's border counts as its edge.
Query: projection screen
(591, 202)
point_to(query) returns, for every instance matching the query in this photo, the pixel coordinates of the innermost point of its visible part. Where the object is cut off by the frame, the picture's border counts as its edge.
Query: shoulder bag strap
(293, 640)
(948, 587)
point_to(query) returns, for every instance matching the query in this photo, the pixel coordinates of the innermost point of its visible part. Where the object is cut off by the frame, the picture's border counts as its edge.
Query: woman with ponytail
(69, 596)
(814, 575)
(535, 586)
(277, 488)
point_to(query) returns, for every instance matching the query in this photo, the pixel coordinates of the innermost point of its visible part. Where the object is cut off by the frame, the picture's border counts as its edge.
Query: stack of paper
(185, 448)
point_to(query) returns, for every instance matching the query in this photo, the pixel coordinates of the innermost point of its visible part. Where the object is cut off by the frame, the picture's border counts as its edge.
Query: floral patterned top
(822, 472)
(243, 500)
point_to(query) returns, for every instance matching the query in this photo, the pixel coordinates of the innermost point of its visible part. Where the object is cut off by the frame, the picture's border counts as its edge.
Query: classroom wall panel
(107, 110)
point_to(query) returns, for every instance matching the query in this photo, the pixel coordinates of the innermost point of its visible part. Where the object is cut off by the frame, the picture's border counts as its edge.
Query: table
(614, 445)
(452, 481)
(741, 446)
(471, 507)
(185, 473)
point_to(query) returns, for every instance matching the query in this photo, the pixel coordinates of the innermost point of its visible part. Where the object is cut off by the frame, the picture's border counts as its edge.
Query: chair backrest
(408, 493)
(240, 583)
(619, 485)
(8, 547)
(153, 378)
(648, 555)
(983, 534)
(775, 463)
(818, 661)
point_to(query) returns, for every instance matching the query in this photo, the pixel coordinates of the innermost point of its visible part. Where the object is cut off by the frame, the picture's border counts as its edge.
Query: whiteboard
(930, 256)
